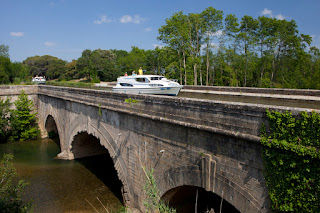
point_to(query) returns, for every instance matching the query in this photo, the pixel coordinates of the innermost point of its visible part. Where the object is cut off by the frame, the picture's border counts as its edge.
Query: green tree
(71, 70)
(195, 31)
(4, 118)
(175, 34)
(4, 64)
(315, 68)
(11, 191)
(247, 38)
(231, 30)
(23, 119)
(49, 66)
(4, 70)
(98, 64)
(212, 19)
(4, 51)
(18, 72)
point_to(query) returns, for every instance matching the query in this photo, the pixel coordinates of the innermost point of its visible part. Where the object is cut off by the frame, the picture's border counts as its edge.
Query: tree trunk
(213, 76)
(246, 66)
(180, 65)
(200, 73)
(208, 65)
(195, 74)
(184, 66)
(273, 68)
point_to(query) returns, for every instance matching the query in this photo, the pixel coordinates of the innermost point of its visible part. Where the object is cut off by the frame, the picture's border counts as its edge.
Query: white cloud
(17, 34)
(157, 45)
(50, 44)
(218, 33)
(212, 45)
(149, 29)
(102, 19)
(280, 17)
(267, 12)
(316, 41)
(131, 19)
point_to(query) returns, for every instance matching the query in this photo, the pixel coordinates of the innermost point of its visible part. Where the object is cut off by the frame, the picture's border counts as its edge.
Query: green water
(62, 185)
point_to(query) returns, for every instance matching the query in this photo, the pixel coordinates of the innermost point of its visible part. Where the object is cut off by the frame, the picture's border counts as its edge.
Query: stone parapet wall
(275, 91)
(240, 120)
(13, 91)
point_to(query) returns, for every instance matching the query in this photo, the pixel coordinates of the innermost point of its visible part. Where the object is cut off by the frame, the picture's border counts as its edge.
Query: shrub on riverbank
(23, 119)
(19, 123)
(4, 118)
(11, 189)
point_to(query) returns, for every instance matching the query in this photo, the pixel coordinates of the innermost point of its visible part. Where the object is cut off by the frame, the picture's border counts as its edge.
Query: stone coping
(240, 120)
(275, 91)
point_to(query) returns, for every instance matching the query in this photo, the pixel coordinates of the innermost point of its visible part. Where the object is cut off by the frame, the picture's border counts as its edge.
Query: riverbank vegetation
(207, 48)
(291, 157)
(18, 123)
(11, 189)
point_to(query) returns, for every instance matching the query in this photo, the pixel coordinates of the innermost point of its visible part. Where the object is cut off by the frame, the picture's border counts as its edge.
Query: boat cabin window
(156, 78)
(126, 85)
(155, 85)
(143, 80)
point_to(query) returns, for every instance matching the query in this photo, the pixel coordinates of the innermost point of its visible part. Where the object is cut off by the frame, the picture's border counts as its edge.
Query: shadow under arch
(185, 199)
(102, 132)
(88, 151)
(52, 130)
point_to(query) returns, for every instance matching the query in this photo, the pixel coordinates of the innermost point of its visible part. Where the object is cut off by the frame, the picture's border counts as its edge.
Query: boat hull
(173, 91)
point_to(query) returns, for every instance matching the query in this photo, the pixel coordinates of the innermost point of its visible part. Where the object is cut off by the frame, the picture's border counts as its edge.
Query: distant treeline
(200, 49)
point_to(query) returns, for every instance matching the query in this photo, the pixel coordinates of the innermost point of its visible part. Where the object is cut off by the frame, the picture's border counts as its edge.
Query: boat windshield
(144, 80)
(156, 78)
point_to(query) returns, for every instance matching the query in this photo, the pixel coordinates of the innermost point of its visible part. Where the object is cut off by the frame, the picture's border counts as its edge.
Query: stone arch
(219, 184)
(100, 130)
(82, 148)
(185, 198)
(51, 125)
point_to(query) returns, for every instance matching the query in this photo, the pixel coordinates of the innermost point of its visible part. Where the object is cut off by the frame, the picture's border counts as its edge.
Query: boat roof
(139, 76)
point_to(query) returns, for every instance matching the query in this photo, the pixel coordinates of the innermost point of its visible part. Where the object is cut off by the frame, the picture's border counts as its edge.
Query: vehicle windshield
(143, 80)
(156, 78)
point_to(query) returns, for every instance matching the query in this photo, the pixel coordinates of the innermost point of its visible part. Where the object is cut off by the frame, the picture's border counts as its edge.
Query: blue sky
(64, 28)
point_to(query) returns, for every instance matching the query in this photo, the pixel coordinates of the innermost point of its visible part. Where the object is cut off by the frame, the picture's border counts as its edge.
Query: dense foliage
(262, 52)
(48, 66)
(19, 123)
(11, 72)
(97, 64)
(23, 121)
(4, 118)
(11, 190)
(207, 48)
(291, 156)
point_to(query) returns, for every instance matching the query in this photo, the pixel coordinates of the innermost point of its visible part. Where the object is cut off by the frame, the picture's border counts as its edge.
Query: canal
(62, 185)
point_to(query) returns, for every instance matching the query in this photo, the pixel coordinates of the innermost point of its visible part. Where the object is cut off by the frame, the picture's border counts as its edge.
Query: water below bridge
(88, 184)
(61, 185)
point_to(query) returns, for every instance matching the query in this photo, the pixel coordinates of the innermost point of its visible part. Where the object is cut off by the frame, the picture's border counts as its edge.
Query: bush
(23, 119)
(4, 118)
(11, 192)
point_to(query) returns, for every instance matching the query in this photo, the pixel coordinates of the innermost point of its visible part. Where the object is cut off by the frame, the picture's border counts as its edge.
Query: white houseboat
(39, 80)
(147, 84)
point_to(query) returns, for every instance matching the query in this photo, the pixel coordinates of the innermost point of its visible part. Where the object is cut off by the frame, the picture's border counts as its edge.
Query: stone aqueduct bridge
(189, 142)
